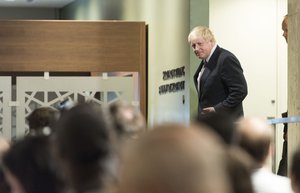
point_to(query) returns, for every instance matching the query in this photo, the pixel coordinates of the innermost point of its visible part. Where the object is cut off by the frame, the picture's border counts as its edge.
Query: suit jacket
(222, 84)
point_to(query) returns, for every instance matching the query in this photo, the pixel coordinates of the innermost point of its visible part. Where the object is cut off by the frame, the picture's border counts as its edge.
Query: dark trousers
(282, 169)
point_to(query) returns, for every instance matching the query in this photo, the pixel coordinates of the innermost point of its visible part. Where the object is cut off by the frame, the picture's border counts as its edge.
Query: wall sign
(172, 87)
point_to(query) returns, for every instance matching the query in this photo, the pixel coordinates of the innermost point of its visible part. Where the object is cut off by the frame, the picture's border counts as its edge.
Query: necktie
(200, 74)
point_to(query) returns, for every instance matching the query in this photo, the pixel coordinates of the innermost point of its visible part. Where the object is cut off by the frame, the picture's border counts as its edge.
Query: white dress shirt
(264, 181)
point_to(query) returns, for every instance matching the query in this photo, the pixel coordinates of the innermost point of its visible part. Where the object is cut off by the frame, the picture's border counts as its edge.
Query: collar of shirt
(211, 52)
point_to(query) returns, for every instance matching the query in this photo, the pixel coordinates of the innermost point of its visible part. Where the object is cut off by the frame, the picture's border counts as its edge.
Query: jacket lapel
(204, 77)
(210, 66)
(196, 75)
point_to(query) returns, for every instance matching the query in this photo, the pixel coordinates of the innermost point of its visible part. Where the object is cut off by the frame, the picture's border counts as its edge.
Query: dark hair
(4, 187)
(30, 162)
(295, 166)
(258, 148)
(82, 134)
(240, 166)
(83, 140)
(42, 117)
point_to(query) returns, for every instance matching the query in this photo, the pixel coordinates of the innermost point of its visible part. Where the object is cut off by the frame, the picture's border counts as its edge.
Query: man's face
(284, 27)
(201, 47)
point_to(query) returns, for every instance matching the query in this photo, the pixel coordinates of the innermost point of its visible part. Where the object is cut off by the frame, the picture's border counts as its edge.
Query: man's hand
(208, 110)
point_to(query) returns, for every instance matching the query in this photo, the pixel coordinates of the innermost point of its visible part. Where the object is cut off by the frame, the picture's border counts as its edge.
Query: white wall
(199, 15)
(252, 31)
(168, 24)
(168, 49)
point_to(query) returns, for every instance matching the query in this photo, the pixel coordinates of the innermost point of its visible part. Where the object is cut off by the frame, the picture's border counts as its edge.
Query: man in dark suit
(219, 79)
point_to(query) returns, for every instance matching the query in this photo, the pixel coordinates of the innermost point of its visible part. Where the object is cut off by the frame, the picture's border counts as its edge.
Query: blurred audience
(4, 146)
(84, 144)
(127, 119)
(240, 164)
(240, 167)
(28, 167)
(295, 171)
(41, 120)
(256, 138)
(176, 159)
(89, 155)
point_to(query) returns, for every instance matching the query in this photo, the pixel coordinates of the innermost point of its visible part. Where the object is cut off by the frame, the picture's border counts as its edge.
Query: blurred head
(126, 119)
(284, 27)
(4, 146)
(255, 136)
(174, 158)
(240, 167)
(202, 41)
(83, 144)
(28, 167)
(295, 171)
(42, 120)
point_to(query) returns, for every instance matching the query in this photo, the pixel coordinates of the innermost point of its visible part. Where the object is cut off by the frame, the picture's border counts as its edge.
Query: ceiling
(35, 3)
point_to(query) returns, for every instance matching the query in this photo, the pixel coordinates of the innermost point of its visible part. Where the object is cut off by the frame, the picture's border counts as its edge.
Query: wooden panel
(70, 45)
(143, 69)
(74, 46)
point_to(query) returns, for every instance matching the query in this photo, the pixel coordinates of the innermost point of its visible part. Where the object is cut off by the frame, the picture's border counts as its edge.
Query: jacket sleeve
(234, 82)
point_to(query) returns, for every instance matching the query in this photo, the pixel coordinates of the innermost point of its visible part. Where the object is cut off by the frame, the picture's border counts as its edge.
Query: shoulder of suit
(226, 53)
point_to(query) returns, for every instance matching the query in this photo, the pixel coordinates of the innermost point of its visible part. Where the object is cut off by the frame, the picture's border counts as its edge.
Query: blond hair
(201, 31)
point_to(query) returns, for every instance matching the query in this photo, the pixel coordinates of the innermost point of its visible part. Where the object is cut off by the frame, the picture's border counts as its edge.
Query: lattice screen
(33, 92)
(5, 109)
